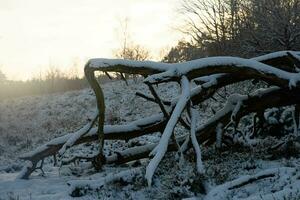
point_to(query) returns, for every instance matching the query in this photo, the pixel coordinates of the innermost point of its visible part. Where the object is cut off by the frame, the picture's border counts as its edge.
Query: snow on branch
(150, 67)
(199, 164)
(127, 66)
(134, 129)
(27, 169)
(276, 55)
(77, 135)
(111, 132)
(286, 179)
(81, 187)
(213, 65)
(162, 147)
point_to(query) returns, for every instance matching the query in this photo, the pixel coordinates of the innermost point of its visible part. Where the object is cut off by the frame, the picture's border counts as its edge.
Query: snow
(98, 182)
(43, 118)
(27, 166)
(72, 137)
(194, 116)
(102, 63)
(185, 67)
(227, 108)
(131, 151)
(262, 91)
(178, 69)
(277, 54)
(185, 144)
(216, 63)
(136, 125)
(41, 188)
(294, 79)
(236, 110)
(287, 188)
(161, 148)
(294, 122)
(55, 141)
(75, 136)
(211, 78)
(68, 111)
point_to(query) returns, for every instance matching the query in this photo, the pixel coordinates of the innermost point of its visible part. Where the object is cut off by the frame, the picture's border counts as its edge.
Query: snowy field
(27, 122)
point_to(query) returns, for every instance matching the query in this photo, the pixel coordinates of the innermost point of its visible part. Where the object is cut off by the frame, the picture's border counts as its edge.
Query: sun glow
(35, 34)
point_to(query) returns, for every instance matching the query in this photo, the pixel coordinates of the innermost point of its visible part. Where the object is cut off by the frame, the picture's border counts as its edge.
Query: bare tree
(211, 23)
(244, 28)
(133, 52)
(273, 25)
(73, 71)
(2, 77)
(53, 75)
(129, 50)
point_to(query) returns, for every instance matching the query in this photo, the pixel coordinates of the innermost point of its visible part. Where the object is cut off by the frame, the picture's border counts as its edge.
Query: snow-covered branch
(77, 135)
(196, 146)
(162, 147)
(270, 176)
(80, 187)
(212, 65)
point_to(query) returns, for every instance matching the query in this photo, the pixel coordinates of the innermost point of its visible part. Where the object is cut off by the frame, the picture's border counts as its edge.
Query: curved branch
(232, 65)
(279, 60)
(90, 76)
(127, 66)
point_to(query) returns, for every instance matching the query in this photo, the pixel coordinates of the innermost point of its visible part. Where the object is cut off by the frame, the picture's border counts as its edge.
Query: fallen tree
(278, 70)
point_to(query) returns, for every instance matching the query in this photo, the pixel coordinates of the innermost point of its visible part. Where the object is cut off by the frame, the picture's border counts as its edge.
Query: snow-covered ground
(28, 122)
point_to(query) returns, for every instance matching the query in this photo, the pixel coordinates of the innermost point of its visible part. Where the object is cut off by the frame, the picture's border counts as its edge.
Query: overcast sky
(35, 33)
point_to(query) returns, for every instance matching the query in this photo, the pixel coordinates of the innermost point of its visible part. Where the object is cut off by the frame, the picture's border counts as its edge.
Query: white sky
(35, 33)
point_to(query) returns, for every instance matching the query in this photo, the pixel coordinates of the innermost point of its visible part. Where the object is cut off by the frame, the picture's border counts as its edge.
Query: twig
(150, 98)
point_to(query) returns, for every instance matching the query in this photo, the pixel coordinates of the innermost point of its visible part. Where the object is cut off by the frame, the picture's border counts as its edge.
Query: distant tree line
(52, 81)
(237, 27)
